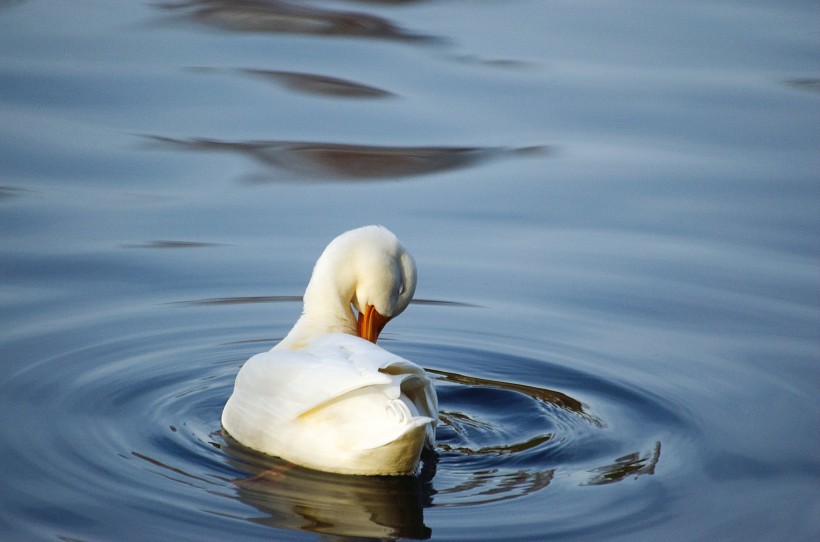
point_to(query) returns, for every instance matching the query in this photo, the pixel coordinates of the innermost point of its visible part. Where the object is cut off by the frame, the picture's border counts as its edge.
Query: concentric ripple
(139, 425)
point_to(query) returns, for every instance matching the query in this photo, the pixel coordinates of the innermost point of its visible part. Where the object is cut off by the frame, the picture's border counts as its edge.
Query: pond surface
(613, 207)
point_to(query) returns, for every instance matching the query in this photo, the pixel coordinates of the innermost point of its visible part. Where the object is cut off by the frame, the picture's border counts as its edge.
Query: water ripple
(243, 300)
(323, 85)
(8, 192)
(150, 402)
(278, 16)
(328, 161)
(807, 83)
(309, 83)
(165, 244)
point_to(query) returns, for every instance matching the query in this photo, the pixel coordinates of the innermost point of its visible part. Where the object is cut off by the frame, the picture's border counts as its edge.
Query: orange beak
(371, 323)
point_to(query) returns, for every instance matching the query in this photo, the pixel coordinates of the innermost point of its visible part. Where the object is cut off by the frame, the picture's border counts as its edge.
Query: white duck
(327, 397)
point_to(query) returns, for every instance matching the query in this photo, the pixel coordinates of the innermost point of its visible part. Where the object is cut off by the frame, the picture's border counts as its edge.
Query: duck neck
(326, 309)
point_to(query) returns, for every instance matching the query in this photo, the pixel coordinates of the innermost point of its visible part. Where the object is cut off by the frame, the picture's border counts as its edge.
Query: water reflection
(497, 440)
(629, 465)
(10, 3)
(290, 497)
(324, 161)
(495, 485)
(544, 395)
(174, 473)
(242, 300)
(7, 192)
(503, 63)
(309, 83)
(277, 16)
(165, 244)
(805, 84)
(502, 449)
(320, 84)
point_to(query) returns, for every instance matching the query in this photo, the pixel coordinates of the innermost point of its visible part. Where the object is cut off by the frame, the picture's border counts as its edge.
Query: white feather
(330, 400)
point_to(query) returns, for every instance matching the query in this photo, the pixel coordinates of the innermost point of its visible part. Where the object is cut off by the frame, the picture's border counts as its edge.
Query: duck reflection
(370, 507)
(316, 160)
(277, 16)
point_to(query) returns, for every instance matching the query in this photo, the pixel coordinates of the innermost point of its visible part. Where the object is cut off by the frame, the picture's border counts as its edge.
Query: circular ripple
(133, 424)
(500, 440)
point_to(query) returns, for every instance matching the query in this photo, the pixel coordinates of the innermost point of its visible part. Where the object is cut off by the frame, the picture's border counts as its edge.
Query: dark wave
(277, 16)
(8, 192)
(164, 244)
(324, 85)
(326, 161)
(635, 464)
(555, 398)
(308, 83)
(240, 300)
(810, 84)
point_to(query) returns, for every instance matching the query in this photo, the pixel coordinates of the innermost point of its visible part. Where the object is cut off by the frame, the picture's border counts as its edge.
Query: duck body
(327, 397)
(342, 405)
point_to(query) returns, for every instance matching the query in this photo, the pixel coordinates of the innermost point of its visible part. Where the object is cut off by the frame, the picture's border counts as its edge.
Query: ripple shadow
(634, 464)
(283, 17)
(241, 300)
(308, 83)
(244, 300)
(544, 395)
(323, 85)
(338, 161)
(166, 244)
(154, 398)
(808, 83)
(9, 192)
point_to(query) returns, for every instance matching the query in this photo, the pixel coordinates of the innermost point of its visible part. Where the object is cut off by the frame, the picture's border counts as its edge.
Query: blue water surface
(613, 207)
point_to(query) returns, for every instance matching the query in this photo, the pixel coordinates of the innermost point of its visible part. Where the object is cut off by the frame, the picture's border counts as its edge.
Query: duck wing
(339, 397)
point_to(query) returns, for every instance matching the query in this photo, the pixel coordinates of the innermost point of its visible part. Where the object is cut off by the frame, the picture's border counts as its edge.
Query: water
(613, 208)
